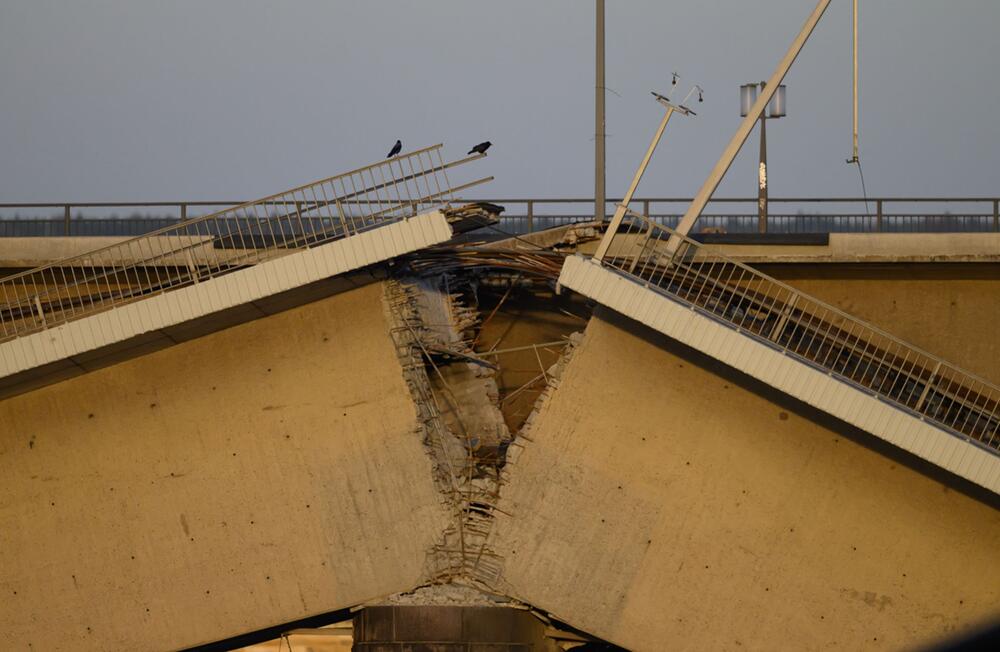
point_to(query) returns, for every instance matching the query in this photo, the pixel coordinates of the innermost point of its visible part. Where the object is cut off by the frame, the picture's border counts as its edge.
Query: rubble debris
(434, 309)
(449, 595)
(461, 425)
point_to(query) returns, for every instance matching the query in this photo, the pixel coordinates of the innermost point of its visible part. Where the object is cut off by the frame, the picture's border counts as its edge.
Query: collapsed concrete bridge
(440, 417)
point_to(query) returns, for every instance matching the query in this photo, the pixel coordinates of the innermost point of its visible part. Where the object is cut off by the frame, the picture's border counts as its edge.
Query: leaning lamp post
(775, 109)
(619, 215)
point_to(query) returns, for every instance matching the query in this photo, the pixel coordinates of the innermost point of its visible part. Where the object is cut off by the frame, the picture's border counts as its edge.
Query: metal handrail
(812, 330)
(985, 218)
(538, 200)
(714, 254)
(198, 249)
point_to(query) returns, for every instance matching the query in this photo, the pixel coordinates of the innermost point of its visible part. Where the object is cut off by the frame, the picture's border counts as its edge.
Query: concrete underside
(248, 478)
(662, 500)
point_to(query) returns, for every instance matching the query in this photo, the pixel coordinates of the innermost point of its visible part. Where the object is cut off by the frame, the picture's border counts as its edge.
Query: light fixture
(748, 95)
(776, 107)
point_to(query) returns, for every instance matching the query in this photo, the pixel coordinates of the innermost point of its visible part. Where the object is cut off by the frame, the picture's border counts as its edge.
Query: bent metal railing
(815, 332)
(202, 248)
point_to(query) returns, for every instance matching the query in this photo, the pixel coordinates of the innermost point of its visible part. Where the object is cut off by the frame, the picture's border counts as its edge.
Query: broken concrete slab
(662, 500)
(241, 480)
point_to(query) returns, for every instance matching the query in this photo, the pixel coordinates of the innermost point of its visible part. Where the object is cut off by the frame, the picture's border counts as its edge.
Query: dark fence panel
(525, 215)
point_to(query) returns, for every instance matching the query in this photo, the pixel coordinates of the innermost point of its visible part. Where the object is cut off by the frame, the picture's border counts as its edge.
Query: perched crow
(481, 148)
(395, 149)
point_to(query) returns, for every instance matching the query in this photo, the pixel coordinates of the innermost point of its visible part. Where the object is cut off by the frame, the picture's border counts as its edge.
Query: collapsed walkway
(799, 345)
(56, 319)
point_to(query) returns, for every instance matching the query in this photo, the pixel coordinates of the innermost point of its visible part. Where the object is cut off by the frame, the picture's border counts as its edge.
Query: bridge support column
(447, 629)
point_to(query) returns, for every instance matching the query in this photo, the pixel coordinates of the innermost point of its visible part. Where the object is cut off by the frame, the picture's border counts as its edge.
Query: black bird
(395, 149)
(481, 148)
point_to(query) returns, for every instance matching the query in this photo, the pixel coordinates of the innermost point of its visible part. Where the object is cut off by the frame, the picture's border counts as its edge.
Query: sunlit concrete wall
(254, 476)
(664, 502)
(297, 486)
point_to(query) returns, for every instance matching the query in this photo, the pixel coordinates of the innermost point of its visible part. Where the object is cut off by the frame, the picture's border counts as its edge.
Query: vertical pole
(66, 219)
(531, 216)
(599, 176)
(345, 231)
(762, 178)
(184, 212)
(41, 313)
(855, 80)
(878, 215)
(302, 226)
(616, 221)
(736, 143)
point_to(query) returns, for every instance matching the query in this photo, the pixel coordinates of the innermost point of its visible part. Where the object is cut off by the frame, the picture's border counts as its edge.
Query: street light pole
(619, 215)
(599, 122)
(775, 109)
(616, 220)
(762, 178)
(854, 158)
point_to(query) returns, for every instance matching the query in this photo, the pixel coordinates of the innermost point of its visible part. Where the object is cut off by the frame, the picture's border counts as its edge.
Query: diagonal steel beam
(733, 148)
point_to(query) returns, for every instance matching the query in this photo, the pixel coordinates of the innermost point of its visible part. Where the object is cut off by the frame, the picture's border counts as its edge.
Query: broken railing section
(462, 429)
(816, 333)
(199, 249)
(472, 216)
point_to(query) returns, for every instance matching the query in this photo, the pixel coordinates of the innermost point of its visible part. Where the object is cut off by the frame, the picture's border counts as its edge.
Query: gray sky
(121, 99)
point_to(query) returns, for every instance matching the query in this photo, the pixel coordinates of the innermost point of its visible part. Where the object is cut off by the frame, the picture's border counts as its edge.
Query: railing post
(878, 215)
(641, 250)
(41, 313)
(531, 216)
(66, 219)
(343, 218)
(996, 214)
(302, 226)
(927, 387)
(184, 212)
(645, 208)
(192, 268)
